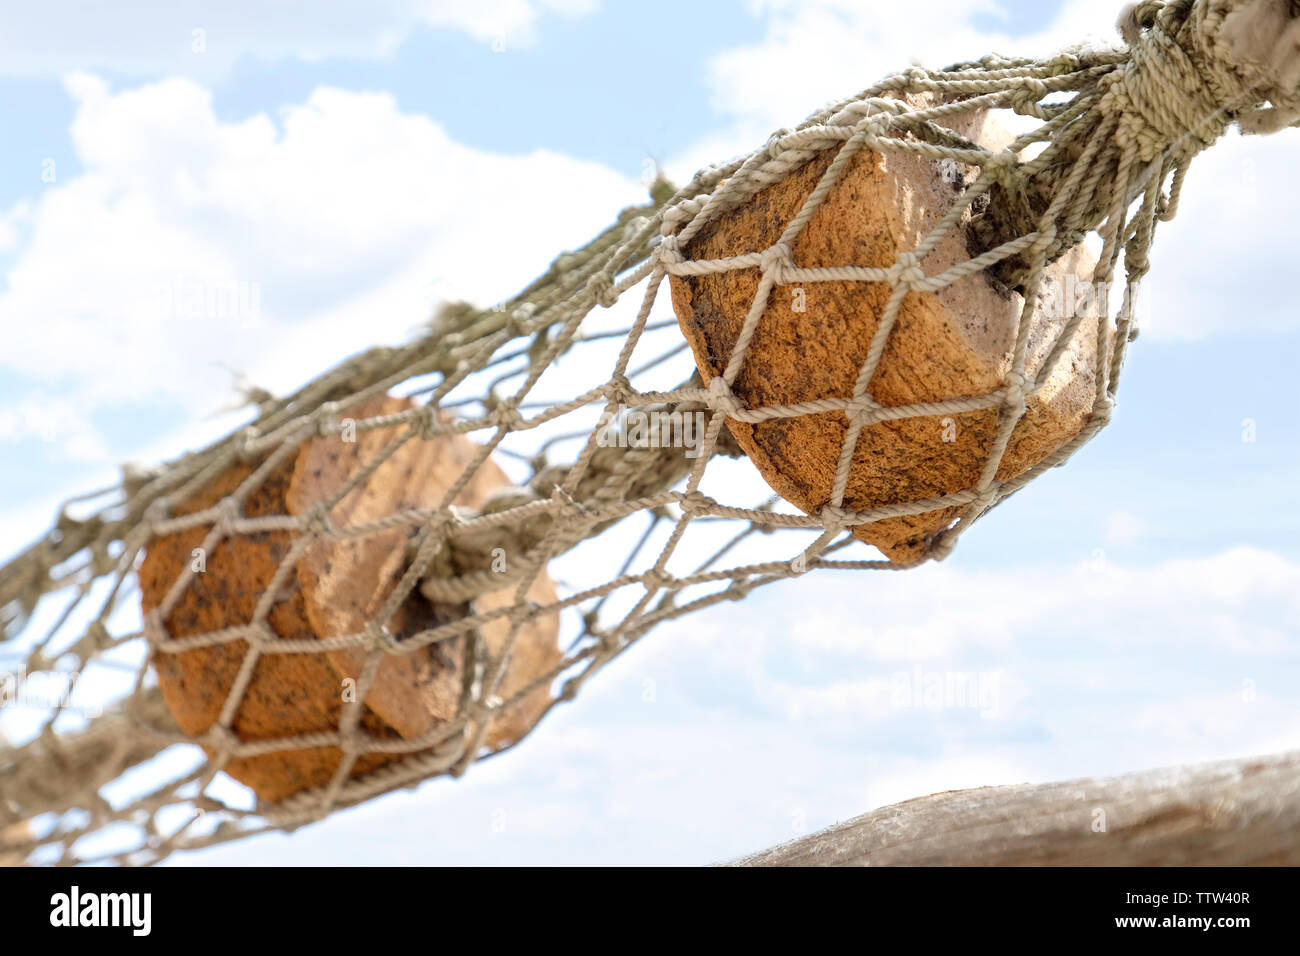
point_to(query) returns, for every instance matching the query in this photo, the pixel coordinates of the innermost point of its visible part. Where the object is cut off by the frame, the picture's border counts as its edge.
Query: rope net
(400, 568)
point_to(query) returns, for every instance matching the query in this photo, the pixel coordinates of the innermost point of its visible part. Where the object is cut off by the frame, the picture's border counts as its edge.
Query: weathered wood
(1231, 813)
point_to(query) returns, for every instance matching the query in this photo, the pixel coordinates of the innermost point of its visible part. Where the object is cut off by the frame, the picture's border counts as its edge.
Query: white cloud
(55, 420)
(158, 37)
(12, 223)
(1190, 725)
(817, 51)
(1124, 529)
(505, 23)
(937, 610)
(190, 246)
(1224, 265)
(1096, 664)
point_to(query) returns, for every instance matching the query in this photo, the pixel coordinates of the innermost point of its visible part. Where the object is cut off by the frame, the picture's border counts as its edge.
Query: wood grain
(1231, 813)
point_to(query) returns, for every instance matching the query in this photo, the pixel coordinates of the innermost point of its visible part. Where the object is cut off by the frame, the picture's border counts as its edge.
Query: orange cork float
(338, 586)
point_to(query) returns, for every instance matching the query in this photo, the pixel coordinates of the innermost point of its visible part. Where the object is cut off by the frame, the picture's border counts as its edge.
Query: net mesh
(583, 532)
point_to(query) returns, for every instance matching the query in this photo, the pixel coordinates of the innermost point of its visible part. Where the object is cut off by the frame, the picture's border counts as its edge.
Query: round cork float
(337, 587)
(953, 343)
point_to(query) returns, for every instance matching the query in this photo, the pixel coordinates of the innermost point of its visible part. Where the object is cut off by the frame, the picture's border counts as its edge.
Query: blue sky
(1136, 608)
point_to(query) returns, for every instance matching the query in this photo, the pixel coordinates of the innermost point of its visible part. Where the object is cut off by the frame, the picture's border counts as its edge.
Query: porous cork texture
(337, 587)
(953, 343)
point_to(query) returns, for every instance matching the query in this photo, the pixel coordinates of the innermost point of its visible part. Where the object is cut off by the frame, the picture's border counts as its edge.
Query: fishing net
(400, 568)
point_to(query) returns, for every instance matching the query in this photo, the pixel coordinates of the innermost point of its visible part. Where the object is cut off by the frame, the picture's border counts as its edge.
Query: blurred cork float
(813, 338)
(337, 587)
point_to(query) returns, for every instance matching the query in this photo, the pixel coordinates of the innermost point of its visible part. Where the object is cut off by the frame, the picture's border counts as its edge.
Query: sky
(1137, 608)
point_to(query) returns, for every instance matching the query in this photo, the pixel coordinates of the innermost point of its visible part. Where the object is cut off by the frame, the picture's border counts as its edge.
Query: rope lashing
(1195, 69)
(1192, 69)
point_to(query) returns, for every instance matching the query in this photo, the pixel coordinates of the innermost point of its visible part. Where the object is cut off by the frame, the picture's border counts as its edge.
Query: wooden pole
(1231, 813)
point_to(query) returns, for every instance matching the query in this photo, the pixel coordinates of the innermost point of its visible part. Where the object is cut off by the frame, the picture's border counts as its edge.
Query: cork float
(812, 340)
(337, 587)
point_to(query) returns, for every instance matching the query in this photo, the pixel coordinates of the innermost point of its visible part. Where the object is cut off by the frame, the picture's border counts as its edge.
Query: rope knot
(228, 510)
(985, 499)
(155, 629)
(428, 422)
(696, 503)
(1020, 388)
(566, 506)
(669, 252)
(835, 519)
(776, 260)
(657, 580)
(619, 389)
(861, 411)
(722, 399)
(219, 738)
(506, 415)
(379, 638)
(318, 522)
(447, 521)
(906, 270)
(602, 287)
(1065, 62)
(1032, 90)
(999, 162)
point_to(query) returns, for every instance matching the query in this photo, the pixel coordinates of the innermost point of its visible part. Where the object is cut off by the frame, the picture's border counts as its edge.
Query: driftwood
(1230, 813)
